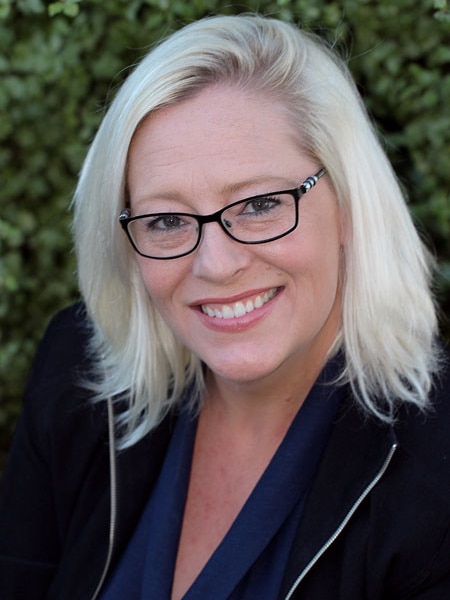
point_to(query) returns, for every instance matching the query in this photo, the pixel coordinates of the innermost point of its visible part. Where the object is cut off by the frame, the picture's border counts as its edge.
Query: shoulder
(412, 500)
(57, 398)
(424, 438)
(64, 346)
(406, 518)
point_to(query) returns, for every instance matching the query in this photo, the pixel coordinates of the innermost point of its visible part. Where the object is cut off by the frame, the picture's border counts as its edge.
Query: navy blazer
(376, 524)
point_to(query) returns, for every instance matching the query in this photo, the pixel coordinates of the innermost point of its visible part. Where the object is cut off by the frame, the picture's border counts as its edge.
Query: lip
(235, 298)
(242, 321)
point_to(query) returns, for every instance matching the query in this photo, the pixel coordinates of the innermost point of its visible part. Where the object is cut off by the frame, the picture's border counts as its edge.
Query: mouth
(239, 308)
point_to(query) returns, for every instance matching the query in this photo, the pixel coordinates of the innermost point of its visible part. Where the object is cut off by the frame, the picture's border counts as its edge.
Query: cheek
(316, 267)
(165, 282)
(326, 269)
(324, 244)
(314, 252)
(159, 280)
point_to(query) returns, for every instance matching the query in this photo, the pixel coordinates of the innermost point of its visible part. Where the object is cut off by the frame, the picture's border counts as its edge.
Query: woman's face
(197, 156)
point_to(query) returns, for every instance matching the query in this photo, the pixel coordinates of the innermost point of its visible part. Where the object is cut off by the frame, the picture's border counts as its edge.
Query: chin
(244, 373)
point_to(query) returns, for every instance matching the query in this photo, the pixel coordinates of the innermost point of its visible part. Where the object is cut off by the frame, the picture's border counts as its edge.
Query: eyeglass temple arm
(124, 214)
(311, 181)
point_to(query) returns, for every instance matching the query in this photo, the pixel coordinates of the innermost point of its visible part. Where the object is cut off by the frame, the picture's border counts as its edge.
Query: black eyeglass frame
(125, 217)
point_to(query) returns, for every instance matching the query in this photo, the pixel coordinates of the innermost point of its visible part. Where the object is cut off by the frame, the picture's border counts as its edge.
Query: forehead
(221, 136)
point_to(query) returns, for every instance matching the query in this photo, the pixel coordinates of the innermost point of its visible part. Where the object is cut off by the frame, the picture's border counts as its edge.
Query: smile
(240, 308)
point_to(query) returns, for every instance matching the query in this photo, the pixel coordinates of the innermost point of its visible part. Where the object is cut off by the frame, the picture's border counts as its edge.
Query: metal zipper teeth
(341, 527)
(113, 498)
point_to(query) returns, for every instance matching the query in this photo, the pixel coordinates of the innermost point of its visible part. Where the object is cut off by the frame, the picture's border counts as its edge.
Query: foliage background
(60, 62)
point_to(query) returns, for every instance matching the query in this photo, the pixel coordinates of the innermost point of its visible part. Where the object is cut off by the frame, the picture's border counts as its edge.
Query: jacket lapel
(355, 454)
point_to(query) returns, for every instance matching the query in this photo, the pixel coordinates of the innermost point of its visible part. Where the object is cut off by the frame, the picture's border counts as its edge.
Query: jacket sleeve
(31, 525)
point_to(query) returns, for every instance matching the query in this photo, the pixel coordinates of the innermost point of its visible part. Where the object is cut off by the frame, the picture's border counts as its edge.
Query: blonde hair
(388, 320)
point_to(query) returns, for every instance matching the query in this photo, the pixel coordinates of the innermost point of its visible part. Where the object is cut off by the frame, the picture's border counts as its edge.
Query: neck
(259, 407)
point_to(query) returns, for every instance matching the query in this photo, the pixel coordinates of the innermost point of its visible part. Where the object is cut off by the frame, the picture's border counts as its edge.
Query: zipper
(342, 526)
(113, 499)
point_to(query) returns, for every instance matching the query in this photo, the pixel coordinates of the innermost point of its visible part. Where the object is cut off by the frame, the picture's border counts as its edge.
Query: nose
(218, 257)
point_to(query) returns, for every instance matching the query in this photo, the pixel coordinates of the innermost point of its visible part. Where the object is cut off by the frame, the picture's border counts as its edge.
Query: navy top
(249, 562)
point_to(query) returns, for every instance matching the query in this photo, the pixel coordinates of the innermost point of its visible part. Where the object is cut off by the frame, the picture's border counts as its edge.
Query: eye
(167, 222)
(260, 205)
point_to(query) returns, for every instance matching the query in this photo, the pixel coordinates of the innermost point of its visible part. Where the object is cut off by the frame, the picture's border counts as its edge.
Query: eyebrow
(270, 182)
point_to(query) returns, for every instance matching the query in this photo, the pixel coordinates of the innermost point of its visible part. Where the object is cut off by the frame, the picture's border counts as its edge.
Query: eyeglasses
(255, 220)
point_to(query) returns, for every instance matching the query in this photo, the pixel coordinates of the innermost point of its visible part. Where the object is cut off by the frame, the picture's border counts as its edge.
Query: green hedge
(60, 62)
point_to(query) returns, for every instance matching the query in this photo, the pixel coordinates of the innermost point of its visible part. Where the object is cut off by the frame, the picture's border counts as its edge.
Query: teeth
(227, 312)
(239, 309)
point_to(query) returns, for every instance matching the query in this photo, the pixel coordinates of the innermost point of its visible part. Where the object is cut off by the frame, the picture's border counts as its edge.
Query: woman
(250, 402)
